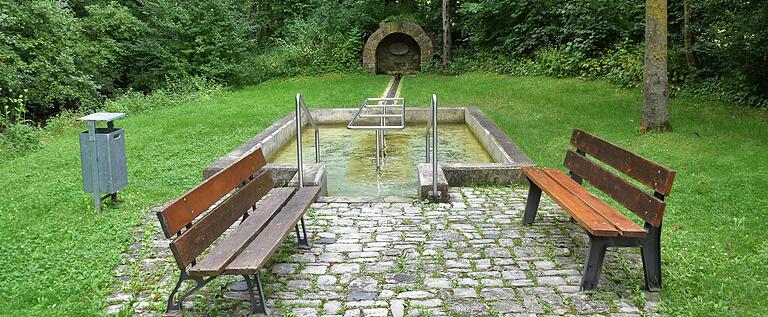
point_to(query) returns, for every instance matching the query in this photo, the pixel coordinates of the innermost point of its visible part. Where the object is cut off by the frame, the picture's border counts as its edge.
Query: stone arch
(386, 29)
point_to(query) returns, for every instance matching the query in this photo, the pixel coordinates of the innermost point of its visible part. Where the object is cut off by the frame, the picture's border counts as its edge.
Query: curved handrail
(300, 162)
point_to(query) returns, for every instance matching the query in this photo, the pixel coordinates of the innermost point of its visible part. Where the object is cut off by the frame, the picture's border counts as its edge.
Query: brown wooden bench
(606, 226)
(250, 244)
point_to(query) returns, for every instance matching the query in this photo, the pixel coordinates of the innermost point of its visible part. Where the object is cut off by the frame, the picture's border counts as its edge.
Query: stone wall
(401, 63)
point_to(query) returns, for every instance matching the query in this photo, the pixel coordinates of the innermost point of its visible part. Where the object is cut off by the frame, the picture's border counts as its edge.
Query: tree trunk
(655, 81)
(688, 37)
(447, 39)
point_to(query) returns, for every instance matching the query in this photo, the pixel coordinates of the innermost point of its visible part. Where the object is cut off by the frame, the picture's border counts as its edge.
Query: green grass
(715, 252)
(57, 254)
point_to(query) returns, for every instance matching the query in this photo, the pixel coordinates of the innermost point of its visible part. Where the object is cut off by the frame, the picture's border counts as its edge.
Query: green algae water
(350, 158)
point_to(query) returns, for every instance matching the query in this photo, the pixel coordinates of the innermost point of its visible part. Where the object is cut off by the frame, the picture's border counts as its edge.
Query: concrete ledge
(270, 140)
(425, 183)
(472, 174)
(507, 156)
(495, 141)
(364, 199)
(284, 174)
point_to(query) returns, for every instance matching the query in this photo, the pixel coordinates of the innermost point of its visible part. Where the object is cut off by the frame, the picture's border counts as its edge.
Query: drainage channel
(381, 135)
(394, 88)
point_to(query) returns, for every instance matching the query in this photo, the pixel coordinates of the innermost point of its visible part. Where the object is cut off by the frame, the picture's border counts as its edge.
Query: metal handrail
(300, 162)
(382, 122)
(434, 145)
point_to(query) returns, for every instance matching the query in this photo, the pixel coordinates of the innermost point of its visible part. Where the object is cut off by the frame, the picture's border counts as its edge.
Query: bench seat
(258, 253)
(589, 211)
(243, 191)
(605, 226)
(250, 245)
(215, 262)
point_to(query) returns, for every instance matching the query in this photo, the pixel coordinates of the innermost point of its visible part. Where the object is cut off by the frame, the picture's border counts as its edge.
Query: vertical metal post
(383, 133)
(300, 171)
(434, 145)
(94, 166)
(426, 137)
(378, 150)
(317, 146)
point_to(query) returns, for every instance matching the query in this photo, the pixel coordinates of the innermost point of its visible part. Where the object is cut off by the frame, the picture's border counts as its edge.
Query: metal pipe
(426, 137)
(378, 158)
(426, 143)
(434, 145)
(317, 146)
(300, 172)
(383, 122)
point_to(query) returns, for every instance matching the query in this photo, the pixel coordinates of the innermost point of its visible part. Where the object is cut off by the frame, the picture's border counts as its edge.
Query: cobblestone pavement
(471, 257)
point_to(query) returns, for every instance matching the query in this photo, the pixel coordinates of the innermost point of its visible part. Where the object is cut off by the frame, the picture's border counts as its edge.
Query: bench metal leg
(302, 242)
(174, 307)
(593, 265)
(260, 306)
(651, 253)
(532, 205)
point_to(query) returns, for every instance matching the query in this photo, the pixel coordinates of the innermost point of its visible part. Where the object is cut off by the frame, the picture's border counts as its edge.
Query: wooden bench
(250, 244)
(606, 226)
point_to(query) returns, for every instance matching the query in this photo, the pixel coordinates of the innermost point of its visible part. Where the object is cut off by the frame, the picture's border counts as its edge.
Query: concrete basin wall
(507, 156)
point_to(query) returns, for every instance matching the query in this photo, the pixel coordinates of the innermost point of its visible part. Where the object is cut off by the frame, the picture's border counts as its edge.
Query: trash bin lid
(102, 116)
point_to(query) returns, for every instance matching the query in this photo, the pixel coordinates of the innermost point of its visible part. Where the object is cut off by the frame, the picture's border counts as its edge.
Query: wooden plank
(641, 169)
(192, 242)
(258, 252)
(579, 210)
(648, 207)
(226, 251)
(186, 208)
(624, 225)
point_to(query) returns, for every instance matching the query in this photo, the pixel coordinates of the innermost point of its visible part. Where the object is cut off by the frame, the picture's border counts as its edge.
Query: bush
(622, 65)
(18, 139)
(42, 45)
(328, 40)
(175, 92)
(209, 39)
(113, 33)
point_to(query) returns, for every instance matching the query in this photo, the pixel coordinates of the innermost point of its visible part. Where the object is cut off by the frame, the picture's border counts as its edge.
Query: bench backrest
(250, 183)
(649, 207)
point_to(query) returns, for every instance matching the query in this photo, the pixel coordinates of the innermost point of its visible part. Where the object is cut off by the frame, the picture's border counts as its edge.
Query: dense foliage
(75, 55)
(727, 55)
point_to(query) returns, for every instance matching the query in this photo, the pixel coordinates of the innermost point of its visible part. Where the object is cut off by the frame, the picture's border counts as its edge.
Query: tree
(447, 39)
(655, 78)
(688, 37)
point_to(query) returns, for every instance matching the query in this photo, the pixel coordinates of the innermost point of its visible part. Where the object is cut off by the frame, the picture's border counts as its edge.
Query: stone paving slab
(469, 257)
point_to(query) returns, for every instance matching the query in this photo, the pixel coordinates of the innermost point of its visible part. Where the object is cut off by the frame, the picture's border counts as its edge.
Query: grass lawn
(58, 254)
(715, 252)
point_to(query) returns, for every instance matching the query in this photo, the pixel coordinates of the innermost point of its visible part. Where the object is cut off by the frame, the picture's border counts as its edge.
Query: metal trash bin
(102, 157)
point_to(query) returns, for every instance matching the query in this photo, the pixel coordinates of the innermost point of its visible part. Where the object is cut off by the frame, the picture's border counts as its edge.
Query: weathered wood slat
(625, 226)
(194, 241)
(646, 206)
(643, 170)
(264, 245)
(183, 210)
(578, 209)
(223, 253)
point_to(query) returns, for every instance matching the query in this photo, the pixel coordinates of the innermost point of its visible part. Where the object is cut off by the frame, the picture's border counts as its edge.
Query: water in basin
(350, 159)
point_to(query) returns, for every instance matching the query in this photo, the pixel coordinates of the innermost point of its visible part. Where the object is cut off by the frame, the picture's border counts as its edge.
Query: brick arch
(387, 28)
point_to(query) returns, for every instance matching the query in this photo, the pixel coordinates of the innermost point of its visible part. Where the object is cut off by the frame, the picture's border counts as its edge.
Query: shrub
(18, 139)
(173, 93)
(208, 39)
(41, 44)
